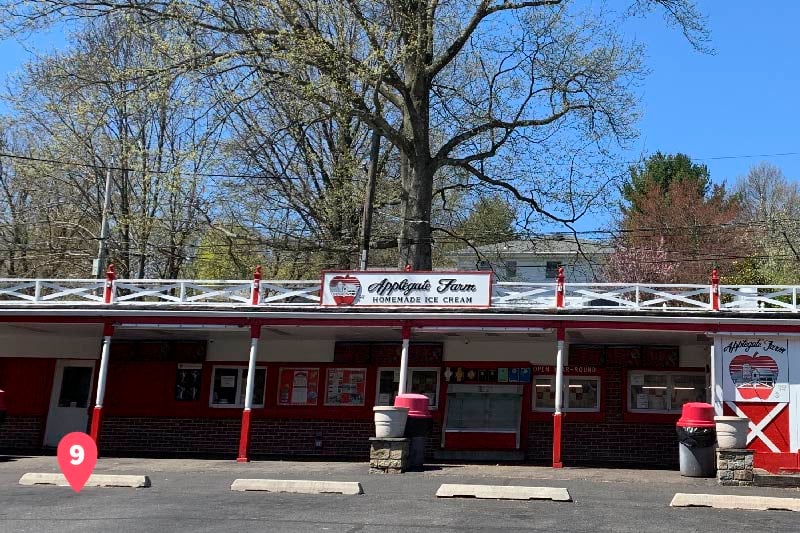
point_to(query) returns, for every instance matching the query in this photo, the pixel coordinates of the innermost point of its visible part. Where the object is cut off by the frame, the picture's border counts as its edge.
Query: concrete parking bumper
(727, 501)
(297, 486)
(503, 492)
(95, 480)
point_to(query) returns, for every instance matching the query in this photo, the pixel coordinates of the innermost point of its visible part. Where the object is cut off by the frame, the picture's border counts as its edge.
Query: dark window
(511, 269)
(484, 265)
(76, 382)
(551, 270)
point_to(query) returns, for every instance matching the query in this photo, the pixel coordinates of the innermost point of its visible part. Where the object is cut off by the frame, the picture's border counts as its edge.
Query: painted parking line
(95, 480)
(503, 492)
(726, 501)
(298, 486)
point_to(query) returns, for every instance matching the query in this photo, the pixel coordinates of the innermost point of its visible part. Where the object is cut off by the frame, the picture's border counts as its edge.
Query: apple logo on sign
(754, 375)
(344, 289)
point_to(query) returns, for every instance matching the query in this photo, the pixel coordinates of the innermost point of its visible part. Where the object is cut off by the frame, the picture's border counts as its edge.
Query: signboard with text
(755, 369)
(406, 289)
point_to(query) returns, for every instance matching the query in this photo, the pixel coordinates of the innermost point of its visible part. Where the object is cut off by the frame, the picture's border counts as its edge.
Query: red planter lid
(418, 404)
(697, 414)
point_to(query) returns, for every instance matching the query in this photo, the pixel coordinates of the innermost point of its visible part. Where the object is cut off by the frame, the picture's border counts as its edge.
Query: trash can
(697, 438)
(418, 426)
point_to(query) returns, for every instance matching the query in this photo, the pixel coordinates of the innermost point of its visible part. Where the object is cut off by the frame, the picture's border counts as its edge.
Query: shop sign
(755, 369)
(407, 289)
(574, 369)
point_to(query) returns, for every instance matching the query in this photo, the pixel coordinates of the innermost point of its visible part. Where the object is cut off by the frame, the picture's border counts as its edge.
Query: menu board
(346, 386)
(298, 386)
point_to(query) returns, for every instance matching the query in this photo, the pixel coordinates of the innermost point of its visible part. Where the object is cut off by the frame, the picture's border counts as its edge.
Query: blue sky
(741, 101)
(724, 110)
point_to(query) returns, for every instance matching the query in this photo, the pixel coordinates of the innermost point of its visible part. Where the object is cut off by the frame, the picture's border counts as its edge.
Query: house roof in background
(550, 245)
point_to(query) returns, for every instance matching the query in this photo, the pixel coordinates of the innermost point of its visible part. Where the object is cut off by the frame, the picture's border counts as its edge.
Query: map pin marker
(77, 457)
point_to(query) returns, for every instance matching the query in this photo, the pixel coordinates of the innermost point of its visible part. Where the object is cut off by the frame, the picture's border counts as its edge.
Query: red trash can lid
(2, 400)
(418, 404)
(697, 414)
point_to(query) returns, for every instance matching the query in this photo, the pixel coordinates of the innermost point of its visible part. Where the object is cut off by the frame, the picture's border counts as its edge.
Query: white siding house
(537, 260)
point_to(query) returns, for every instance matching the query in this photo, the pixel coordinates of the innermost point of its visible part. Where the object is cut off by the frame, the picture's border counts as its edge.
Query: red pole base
(244, 437)
(97, 420)
(557, 441)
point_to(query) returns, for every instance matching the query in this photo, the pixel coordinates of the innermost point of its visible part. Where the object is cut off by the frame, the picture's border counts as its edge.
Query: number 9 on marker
(77, 453)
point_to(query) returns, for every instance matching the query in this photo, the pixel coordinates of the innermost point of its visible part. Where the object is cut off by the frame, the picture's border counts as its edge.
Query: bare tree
(771, 214)
(93, 110)
(490, 88)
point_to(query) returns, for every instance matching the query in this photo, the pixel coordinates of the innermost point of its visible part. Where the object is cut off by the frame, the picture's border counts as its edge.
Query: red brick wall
(296, 437)
(148, 436)
(21, 434)
(169, 436)
(612, 441)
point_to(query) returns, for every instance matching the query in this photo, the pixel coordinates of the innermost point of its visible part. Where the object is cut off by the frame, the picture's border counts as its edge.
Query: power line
(153, 171)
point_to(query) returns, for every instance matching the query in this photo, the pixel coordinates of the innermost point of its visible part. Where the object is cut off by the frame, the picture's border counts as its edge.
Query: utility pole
(98, 269)
(372, 176)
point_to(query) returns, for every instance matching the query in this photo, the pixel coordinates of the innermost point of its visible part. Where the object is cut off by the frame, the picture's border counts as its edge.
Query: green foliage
(491, 220)
(661, 171)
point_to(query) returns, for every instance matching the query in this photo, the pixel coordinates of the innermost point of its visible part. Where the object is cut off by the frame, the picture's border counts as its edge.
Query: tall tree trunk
(417, 169)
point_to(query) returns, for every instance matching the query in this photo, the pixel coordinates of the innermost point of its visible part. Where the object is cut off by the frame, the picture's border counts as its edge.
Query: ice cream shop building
(550, 373)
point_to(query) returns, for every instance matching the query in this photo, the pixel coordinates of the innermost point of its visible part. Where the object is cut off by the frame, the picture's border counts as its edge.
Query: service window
(544, 397)
(229, 386)
(581, 393)
(664, 392)
(420, 381)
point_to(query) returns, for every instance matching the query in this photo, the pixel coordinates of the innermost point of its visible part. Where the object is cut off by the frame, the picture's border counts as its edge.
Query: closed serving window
(420, 381)
(229, 385)
(664, 392)
(581, 393)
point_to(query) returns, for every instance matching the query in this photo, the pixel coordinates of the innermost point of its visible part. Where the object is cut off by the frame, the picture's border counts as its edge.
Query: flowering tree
(676, 232)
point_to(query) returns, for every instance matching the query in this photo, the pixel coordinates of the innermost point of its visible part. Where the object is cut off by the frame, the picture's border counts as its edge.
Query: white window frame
(565, 394)
(241, 384)
(409, 380)
(669, 374)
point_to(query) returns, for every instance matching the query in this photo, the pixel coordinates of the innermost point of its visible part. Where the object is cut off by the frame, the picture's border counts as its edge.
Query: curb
(297, 486)
(95, 480)
(725, 501)
(503, 492)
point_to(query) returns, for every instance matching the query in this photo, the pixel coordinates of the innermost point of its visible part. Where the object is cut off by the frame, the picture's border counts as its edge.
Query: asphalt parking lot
(195, 495)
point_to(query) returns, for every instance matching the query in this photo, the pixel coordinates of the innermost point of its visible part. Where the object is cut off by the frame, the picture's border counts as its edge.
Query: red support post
(557, 441)
(560, 288)
(244, 438)
(557, 416)
(244, 435)
(255, 292)
(97, 412)
(108, 292)
(715, 290)
(97, 421)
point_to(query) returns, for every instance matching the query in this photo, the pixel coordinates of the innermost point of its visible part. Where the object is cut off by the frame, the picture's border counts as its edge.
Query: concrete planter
(732, 432)
(390, 422)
